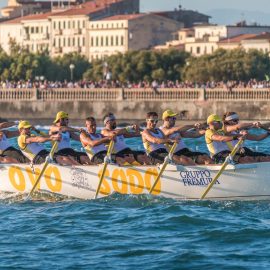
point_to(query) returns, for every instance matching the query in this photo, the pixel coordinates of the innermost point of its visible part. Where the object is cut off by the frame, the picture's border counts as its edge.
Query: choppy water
(136, 232)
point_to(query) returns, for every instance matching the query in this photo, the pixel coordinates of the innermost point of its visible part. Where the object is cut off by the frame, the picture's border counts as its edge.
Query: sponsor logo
(196, 178)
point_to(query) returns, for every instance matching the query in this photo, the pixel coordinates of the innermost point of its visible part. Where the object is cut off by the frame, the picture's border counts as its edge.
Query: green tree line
(135, 66)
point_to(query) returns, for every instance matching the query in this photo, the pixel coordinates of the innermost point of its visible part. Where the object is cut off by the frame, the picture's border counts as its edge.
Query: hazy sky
(205, 5)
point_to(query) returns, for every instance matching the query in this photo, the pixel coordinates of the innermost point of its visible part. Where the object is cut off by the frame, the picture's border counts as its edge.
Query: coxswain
(31, 145)
(231, 124)
(219, 142)
(67, 133)
(154, 142)
(94, 143)
(171, 131)
(121, 151)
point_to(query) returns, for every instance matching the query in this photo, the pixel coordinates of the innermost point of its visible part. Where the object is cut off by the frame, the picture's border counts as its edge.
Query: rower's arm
(85, 140)
(7, 124)
(193, 134)
(148, 137)
(253, 137)
(74, 136)
(225, 138)
(38, 139)
(55, 129)
(11, 133)
(107, 133)
(239, 127)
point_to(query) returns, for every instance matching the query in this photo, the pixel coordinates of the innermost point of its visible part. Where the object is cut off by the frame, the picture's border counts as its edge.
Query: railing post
(202, 94)
(121, 93)
(35, 95)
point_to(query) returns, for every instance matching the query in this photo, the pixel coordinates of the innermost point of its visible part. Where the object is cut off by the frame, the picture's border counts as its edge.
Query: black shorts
(41, 157)
(99, 157)
(186, 152)
(244, 152)
(70, 152)
(158, 156)
(124, 152)
(221, 156)
(15, 153)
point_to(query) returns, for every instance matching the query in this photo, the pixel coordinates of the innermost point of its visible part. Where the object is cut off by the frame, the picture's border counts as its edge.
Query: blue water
(136, 232)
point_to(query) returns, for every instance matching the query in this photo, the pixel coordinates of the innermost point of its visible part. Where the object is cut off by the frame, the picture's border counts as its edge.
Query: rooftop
(237, 39)
(125, 17)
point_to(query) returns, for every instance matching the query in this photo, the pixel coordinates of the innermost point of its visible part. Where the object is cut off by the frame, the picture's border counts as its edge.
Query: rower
(64, 147)
(94, 143)
(154, 141)
(172, 132)
(31, 147)
(231, 124)
(122, 153)
(219, 142)
(8, 153)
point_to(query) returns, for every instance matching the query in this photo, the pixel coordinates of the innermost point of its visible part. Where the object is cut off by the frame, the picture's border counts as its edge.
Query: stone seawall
(132, 110)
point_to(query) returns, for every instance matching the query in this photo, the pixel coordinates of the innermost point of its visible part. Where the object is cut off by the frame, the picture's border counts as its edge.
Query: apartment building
(122, 33)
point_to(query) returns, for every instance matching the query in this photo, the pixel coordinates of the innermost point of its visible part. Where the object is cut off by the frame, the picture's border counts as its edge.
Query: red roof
(125, 17)
(264, 35)
(31, 17)
(237, 39)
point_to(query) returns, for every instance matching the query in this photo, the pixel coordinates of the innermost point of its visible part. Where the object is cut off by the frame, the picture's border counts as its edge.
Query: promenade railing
(105, 94)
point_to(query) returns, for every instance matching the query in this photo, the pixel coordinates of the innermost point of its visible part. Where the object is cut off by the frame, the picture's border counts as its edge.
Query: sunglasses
(152, 120)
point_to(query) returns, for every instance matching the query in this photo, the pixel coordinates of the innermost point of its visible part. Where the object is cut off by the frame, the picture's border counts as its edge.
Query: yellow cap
(213, 118)
(168, 113)
(24, 124)
(60, 115)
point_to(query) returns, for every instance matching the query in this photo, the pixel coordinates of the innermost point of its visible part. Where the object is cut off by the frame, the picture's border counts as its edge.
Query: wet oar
(50, 156)
(224, 165)
(106, 162)
(166, 161)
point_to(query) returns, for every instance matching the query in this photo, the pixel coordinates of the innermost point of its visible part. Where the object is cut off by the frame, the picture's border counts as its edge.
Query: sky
(222, 11)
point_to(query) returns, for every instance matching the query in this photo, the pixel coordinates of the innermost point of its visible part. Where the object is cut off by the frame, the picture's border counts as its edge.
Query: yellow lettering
(119, 175)
(149, 175)
(33, 178)
(105, 187)
(53, 179)
(135, 181)
(17, 178)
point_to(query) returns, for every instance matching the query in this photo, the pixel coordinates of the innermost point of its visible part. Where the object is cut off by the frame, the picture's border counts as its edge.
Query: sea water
(136, 232)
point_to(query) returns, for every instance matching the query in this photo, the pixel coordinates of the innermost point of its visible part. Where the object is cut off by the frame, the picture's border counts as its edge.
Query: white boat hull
(241, 182)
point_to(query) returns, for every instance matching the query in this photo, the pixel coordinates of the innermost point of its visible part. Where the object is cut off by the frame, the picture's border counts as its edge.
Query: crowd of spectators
(229, 85)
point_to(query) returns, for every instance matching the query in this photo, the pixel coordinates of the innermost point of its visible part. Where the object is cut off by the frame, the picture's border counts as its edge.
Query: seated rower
(64, 147)
(122, 153)
(8, 153)
(231, 124)
(154, 142)
(94, 143)
(219, 142)
(172, 132)
(31, 147)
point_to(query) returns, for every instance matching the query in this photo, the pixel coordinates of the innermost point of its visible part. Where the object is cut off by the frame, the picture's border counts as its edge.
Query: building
(260, 42)
(122, 33)
(234, 42)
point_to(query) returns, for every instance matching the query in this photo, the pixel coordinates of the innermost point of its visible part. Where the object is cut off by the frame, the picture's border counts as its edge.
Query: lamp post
(71, 67)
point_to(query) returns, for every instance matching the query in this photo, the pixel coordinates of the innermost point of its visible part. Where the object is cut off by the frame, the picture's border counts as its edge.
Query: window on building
(107, 41)
(112, 43)
(83, 41)
(92, 42)
(73, 24)
(212, 49)
(122, 40)
(59, 25)
(64, 41)
(205, 50)
(83, 24)
(68, 24)
(64, 24)
(101, 41)
(78, 42)
(68, 42)
(198, 51)
(191, 50)
(37, 29)
(78, 24)
(116, 41)
(74, 42)
(54, 25)
(96, 41)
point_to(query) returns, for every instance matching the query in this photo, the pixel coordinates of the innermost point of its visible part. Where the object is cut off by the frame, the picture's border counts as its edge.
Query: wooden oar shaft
(43, 169)
(163, 167)
(110, 149)
(223, 167)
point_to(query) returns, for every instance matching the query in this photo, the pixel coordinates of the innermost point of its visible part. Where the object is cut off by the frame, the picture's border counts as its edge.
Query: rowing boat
(238, 182)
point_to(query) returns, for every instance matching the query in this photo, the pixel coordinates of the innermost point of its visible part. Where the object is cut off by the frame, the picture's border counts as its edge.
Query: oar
(50, 156)
(224, 165)
(106, 162)
(166, 161)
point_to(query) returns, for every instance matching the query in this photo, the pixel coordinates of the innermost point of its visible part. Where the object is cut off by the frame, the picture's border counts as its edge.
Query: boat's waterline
(238, 182)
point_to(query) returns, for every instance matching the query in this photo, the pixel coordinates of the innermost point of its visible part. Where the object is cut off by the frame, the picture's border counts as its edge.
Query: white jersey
(4, 143)
(151, 147)
(119, 144)
(92, 151)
